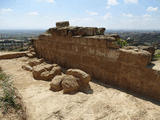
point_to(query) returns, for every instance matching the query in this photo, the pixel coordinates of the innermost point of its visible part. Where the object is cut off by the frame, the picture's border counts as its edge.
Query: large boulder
(84, 78)
(56, 84)
(46, 71)
(49, 75)
(70, 84)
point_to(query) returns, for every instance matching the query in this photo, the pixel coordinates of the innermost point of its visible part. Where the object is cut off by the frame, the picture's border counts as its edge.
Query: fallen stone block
(34, 62)
(70, 84)
(49, 75)
(84, 78)
(12, 55)
(56, 84)
(46, 71)
(30, 55)
(62, 24)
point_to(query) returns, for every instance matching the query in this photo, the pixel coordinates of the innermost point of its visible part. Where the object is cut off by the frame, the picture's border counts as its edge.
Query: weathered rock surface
(84, 78)
(46, 71)
(34, 62)
(62, 24)
(70, 84)
(73, 81)
(150, 49)
(56, 84)
(12, 55)
(30, 55)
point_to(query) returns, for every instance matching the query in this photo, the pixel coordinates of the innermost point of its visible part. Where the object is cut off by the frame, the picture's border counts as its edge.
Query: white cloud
(146, 15)
(48, 1)
(111, 3)
(107, 16)
(131, 1)
(127, 15)
(92, 13)
(5, 10)
(33, 13)
(152, 9)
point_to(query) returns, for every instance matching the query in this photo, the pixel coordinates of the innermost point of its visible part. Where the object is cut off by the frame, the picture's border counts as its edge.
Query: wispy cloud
(48, 1)
(34, 13)
(111, 3)
(131, 1)
(127, 15)
(92, 13)
(146, 15)
(152, 9)
(107, 16)
(5, 10)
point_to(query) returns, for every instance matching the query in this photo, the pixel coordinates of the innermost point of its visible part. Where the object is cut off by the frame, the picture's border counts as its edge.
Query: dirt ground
(101, 103)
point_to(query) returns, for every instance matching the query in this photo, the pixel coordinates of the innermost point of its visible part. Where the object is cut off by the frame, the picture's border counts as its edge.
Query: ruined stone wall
(99, 55)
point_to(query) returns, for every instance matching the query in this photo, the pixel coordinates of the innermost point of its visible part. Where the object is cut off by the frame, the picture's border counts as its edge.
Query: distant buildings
(11, 44)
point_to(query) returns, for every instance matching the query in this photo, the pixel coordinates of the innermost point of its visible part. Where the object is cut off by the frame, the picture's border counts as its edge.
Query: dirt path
(103, 104)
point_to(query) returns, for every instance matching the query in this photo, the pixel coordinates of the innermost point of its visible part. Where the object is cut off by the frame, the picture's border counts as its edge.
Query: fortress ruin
(88, 49)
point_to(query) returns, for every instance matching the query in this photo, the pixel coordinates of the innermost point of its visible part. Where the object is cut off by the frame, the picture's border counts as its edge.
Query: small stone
(27, 68)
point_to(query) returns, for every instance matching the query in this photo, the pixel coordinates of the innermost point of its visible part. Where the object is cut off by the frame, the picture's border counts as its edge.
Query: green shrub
(157, 54)
(122, 42)
(8, 95)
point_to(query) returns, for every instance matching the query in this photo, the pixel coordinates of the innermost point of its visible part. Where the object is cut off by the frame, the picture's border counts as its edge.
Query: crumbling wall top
(64, 29)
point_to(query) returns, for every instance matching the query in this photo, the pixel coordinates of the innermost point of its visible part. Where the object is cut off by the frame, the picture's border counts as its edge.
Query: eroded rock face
(70, 84)
(84, 78)
(46, 71)
(150, 49)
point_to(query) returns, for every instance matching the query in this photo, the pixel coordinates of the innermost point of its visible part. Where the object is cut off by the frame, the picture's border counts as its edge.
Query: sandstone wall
(99, 55)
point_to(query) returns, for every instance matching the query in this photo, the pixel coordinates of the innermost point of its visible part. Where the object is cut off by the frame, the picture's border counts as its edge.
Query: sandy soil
(103, 103)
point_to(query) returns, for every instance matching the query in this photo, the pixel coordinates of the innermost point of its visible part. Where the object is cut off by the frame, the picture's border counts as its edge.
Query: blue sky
(112, 14)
